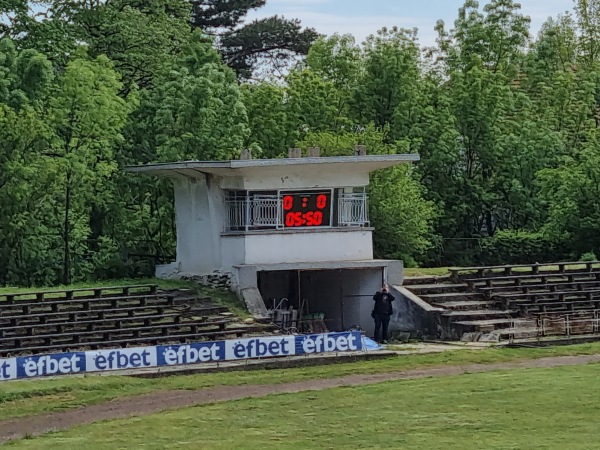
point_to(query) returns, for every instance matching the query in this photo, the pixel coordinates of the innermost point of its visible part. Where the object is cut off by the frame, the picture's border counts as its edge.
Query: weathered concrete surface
(412, 315)
(254, 302)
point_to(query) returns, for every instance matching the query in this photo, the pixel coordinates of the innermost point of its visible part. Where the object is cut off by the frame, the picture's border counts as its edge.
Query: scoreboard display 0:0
(306, 209)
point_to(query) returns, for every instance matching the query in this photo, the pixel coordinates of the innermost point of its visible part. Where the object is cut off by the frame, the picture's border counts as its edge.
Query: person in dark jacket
(382, 312)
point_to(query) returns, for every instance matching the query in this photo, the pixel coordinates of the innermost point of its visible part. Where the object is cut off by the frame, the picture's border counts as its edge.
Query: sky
(364, 17)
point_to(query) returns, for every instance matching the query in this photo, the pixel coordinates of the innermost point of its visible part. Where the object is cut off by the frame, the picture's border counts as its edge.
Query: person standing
(382, 312)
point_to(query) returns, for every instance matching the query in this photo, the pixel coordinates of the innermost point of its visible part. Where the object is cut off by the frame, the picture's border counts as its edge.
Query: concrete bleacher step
(466, 305)
(435, 288)
(413, 281)
(453, 297)
(528, 279)
(488, 325)
(456, 316)
(209, 310)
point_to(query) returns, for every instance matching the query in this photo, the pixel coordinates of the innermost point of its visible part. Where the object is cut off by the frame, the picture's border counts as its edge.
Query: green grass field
(520, 409)
(23, 398)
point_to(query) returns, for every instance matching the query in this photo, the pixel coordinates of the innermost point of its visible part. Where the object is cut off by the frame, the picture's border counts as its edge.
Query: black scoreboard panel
(306, 209)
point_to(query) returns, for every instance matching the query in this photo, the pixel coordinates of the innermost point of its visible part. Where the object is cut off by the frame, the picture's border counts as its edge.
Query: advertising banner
(173, 355)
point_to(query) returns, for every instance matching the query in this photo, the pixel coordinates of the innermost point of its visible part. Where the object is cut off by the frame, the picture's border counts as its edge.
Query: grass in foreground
(25, 398)
(544, 408)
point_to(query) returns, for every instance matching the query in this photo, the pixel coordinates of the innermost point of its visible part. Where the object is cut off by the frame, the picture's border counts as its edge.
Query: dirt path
(160, 401)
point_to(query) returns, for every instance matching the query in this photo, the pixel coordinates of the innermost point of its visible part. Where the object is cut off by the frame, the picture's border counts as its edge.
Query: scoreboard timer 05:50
(306, 209)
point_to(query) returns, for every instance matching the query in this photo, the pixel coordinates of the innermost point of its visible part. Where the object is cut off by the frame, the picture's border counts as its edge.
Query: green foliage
(402, 218)
(387, 91)
(519, 247)
(589, 256)
(196, 115)
(267, 119)
(506, 127)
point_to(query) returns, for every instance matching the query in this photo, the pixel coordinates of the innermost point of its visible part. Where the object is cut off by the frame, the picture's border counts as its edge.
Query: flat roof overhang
(256, 167)
(325, 265)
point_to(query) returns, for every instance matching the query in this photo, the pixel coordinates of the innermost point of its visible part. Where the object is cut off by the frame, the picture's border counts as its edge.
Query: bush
(589, 256)
(520, 247)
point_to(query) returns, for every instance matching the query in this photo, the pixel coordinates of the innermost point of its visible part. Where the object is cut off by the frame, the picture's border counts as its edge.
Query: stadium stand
(528, 301)
(106, 317)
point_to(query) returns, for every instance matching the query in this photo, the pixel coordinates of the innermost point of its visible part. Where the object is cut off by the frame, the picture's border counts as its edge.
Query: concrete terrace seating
(67, 294)
(540, 287)
(171, 339)
(82, 337)
(456, 273)
(483, 302)
(104, 317)
(552, 301)
(86, 304)
(98, 315)
(560, 291)
(543, 278)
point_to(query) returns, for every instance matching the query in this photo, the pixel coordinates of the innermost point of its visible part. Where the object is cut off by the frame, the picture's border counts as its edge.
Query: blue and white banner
(173, 355)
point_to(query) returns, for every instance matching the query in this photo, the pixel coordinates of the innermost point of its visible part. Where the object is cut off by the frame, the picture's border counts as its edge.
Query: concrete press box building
(293, 234)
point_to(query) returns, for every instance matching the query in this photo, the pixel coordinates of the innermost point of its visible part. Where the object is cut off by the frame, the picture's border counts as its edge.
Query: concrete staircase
(461, 313)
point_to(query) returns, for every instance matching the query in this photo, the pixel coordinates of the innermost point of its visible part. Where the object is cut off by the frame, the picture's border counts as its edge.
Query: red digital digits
(322, 201)
(309, 219)
(317, 218)
(307, 211)
(288, 202)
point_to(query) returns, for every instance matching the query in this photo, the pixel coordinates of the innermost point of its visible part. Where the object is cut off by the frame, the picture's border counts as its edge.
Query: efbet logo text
(260, 348)
(61, 364)
(8, 369)
(191, 354)
(342, 342)
(4, 370)
(122, 359)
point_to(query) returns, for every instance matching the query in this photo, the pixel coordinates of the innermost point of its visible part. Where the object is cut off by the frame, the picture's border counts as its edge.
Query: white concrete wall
(233, 251)
(199, 211)
(296, 178)
(310, 246)
(202, 248)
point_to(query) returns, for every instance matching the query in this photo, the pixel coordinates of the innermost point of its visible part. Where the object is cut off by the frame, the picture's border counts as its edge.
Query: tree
(312, 104)
(140, 38)
(336, 59)
(588, 17)
(481, 57)
(273, 42)
(87, 115)
(270, 131)
(388, 90)
(25, 177)
(402, 218)
(571, 192)
(192, 115)
(14, 16)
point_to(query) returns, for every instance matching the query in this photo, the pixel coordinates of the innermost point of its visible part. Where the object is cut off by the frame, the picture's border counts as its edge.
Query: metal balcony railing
(353, 210)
